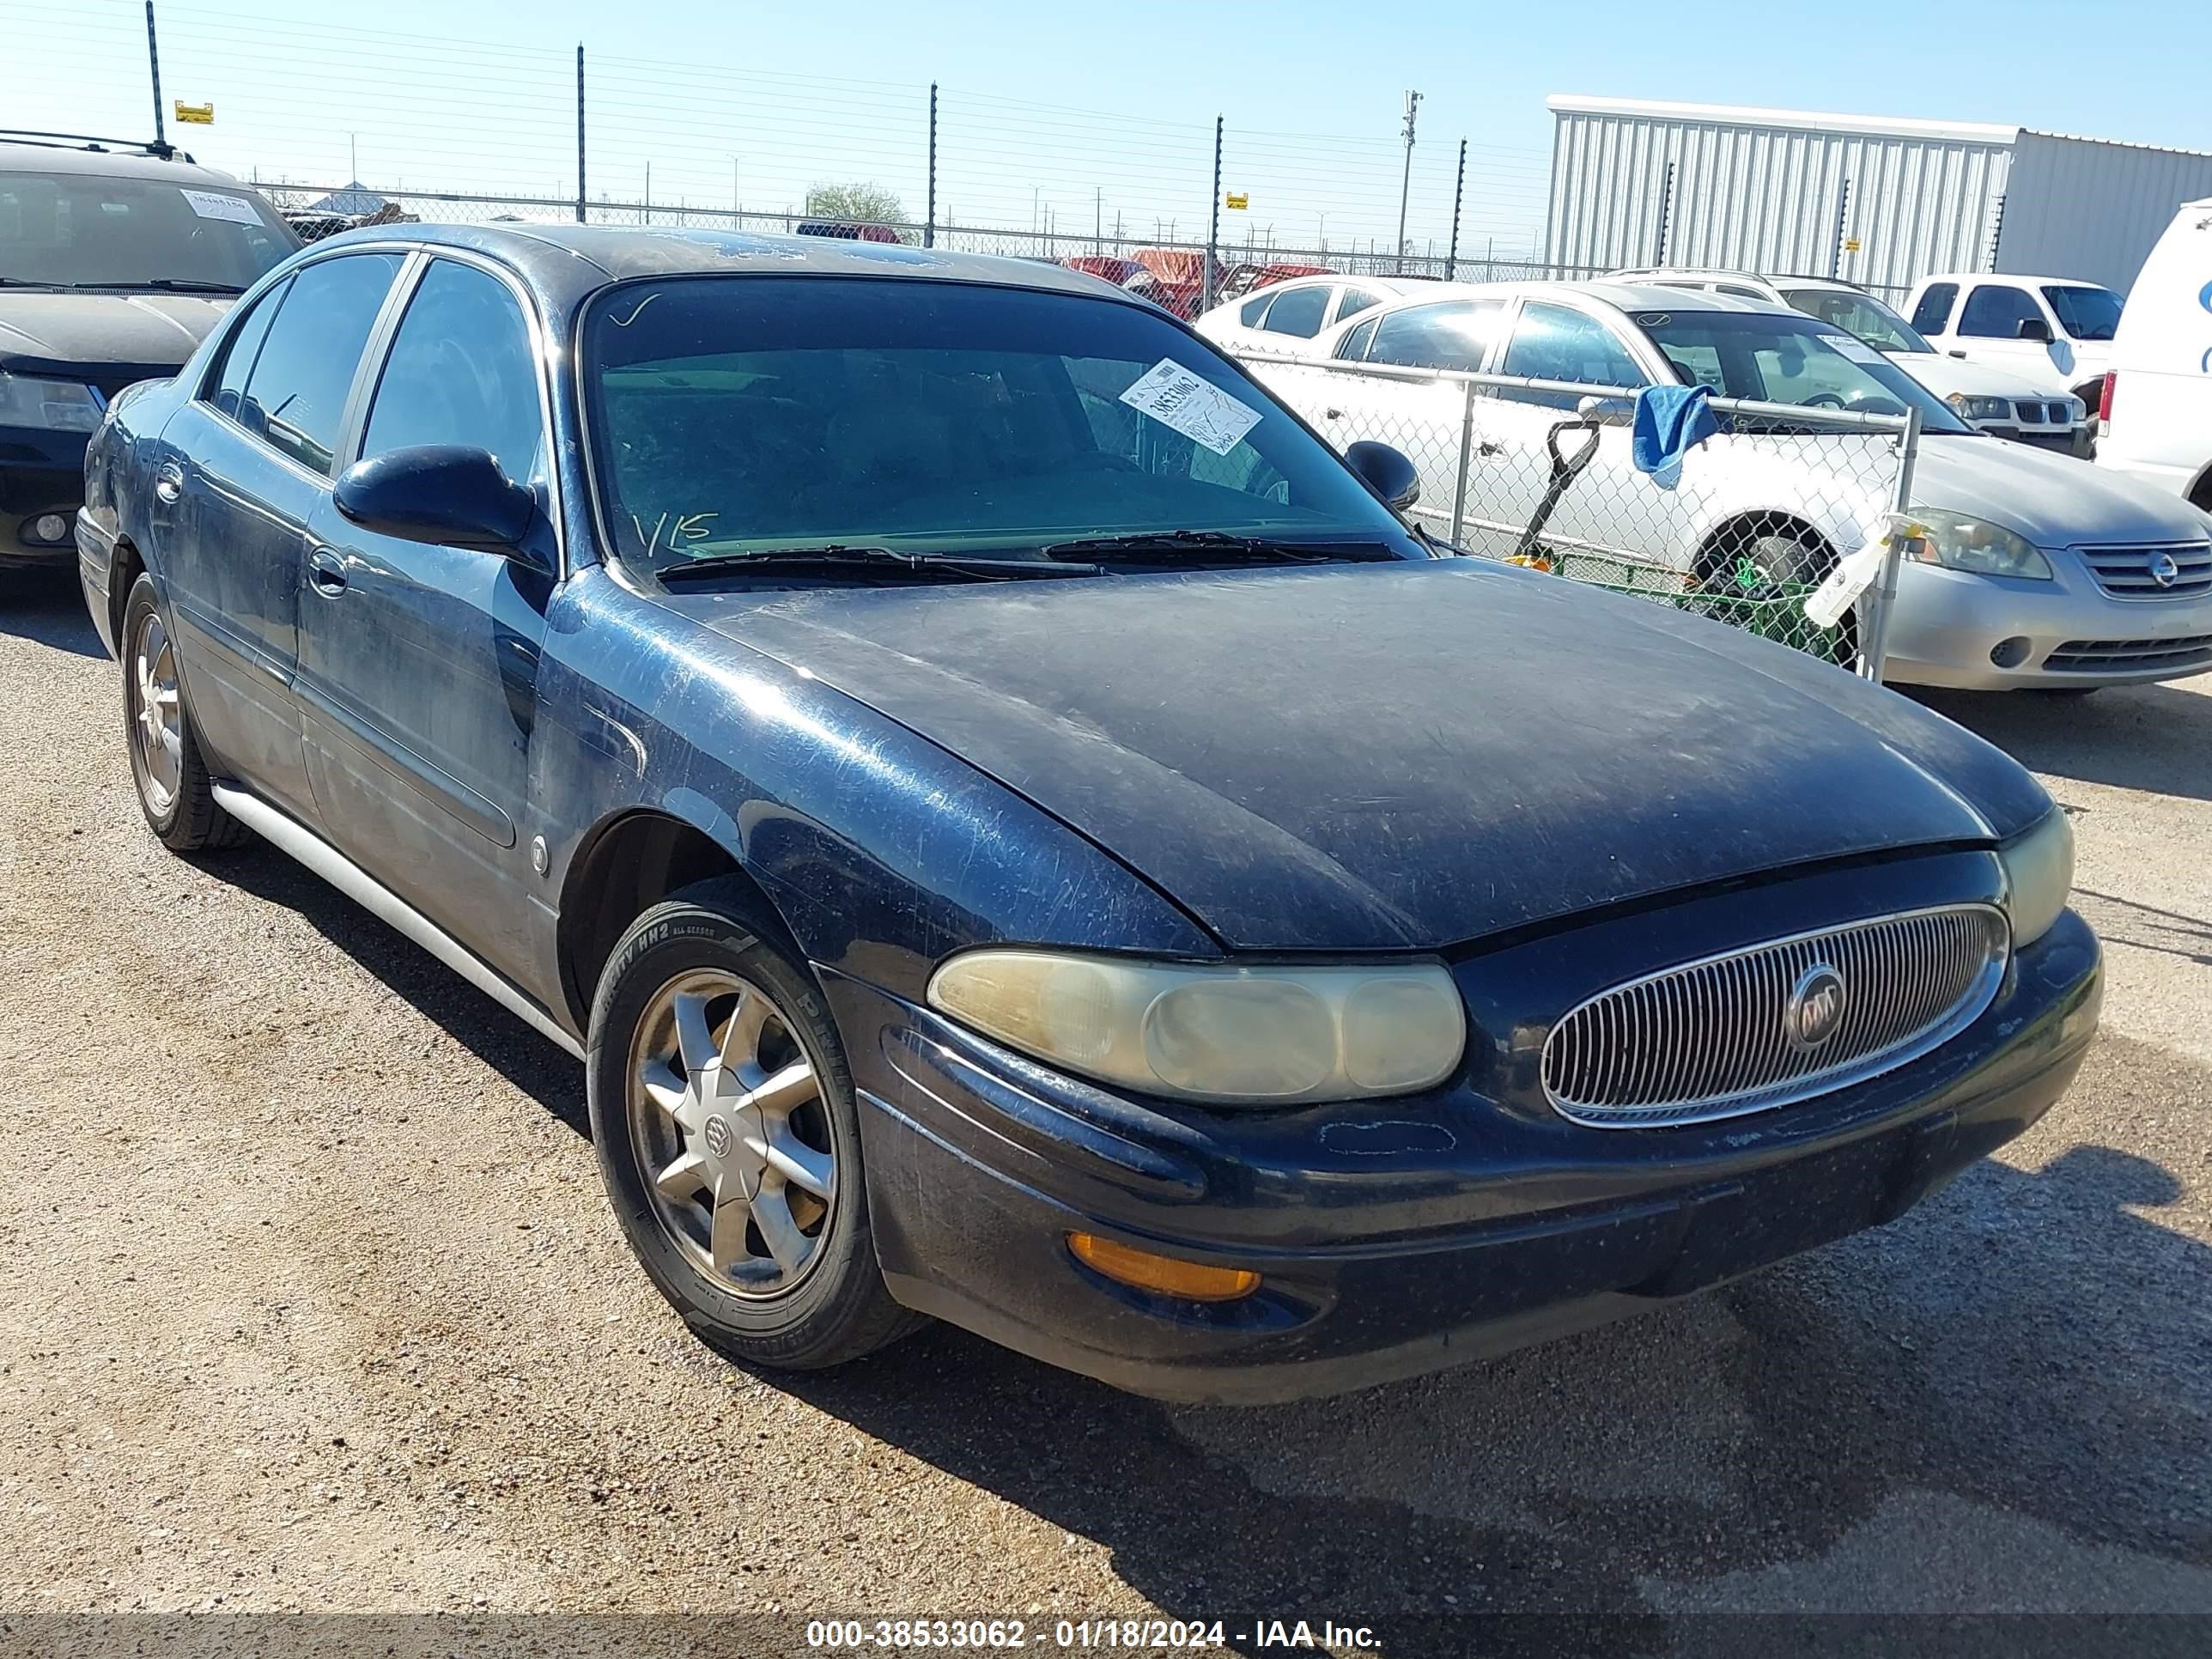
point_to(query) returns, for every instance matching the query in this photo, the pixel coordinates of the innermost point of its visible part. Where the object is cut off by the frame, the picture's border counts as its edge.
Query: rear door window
(1299, 311)
(1456, 335)
(295, 397)
(1933, 314)
(1353, 300)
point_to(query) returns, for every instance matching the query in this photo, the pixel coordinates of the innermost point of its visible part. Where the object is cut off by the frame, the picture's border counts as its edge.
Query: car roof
(2016, 277)
(565, 262)
(118, 163)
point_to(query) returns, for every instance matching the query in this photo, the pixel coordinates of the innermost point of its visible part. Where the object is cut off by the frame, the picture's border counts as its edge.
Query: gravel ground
(314, 1304)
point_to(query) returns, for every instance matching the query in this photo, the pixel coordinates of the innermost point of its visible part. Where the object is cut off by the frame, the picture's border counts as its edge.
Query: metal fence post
(1666, 216)
(579, 132)
(1843, 220)
(1873, 631)
(1459, 192)
(1213, 228)
(154, 65)
(929, 224)
(1466, 450)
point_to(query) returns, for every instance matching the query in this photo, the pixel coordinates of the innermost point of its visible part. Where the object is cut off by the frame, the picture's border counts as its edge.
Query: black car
(1017, 830)
(114, 263)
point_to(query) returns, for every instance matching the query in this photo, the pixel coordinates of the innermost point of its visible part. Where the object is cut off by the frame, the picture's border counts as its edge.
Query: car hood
(1391, 757)
(1943, 376)
(2054, 500)
(104, 338)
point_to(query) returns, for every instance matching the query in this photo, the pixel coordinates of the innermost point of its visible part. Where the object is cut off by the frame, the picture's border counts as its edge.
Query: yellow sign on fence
(198, 115)
(1851, 245)
(1237, 198)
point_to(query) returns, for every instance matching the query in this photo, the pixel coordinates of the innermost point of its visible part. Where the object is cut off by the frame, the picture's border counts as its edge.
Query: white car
(2031, 570)
(1282, 318)
(2158, 393)
(2056, 331)
(2000, 401)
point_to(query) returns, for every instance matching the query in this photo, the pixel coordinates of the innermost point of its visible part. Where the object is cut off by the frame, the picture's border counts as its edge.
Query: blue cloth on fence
(1671, 422)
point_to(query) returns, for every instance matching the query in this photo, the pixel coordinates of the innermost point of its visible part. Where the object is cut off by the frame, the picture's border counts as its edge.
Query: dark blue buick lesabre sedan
(1018, 831)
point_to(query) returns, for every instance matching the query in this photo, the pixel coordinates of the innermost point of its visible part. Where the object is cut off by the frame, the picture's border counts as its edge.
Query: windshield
(1858, 313)
(82, 230)
(1773, 357)
(2085, 312)
(735, 415)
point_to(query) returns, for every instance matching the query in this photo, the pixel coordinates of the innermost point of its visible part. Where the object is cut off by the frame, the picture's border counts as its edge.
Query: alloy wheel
(156, 716)
(730, 1131)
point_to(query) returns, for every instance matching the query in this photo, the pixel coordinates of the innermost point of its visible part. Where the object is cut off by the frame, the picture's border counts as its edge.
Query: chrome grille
(2126, 573)
(1708, 1039)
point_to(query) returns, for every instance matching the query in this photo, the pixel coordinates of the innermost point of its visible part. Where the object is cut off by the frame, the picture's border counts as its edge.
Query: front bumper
(1405, 1235)
(41, 476)
(1948, 623)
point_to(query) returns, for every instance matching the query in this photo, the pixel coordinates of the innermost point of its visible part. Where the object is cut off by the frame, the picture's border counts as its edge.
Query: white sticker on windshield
(1192, 405)
(210, 205)
(1853, 348)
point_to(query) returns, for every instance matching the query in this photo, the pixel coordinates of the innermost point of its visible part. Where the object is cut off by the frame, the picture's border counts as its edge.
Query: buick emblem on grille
(1815, 1007)
(2163, 570)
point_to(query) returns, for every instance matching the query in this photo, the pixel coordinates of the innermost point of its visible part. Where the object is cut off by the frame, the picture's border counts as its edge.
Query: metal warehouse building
(1874, 200)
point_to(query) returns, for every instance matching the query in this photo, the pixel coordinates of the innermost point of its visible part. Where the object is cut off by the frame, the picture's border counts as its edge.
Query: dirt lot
(315, 1303)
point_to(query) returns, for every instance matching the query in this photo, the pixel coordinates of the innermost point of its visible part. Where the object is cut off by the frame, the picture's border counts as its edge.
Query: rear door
(419, 663)
(1609, 505)
(249, 459)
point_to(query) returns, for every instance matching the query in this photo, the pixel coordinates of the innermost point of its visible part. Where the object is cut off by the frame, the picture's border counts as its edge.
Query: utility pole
(1406, 185)
(1097, 219)
(153, 64)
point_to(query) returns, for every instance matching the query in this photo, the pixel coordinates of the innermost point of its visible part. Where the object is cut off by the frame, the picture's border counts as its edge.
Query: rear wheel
(175, 791)
(727, 1134)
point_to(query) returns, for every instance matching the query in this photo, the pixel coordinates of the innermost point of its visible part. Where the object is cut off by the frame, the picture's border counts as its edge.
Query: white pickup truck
(2053, 330)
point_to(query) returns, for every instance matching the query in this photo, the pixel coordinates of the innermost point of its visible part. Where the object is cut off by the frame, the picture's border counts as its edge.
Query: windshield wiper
(835, 559)
(1165, 546)
(171, 285)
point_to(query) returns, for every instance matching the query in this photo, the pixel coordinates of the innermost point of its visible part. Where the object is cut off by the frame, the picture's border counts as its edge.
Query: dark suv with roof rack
(115, 261)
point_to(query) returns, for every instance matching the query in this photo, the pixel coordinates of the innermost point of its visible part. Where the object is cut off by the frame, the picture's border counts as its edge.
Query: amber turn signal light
(1161, 1274)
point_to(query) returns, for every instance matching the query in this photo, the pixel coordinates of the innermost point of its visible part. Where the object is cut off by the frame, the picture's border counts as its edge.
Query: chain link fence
(1744, 528)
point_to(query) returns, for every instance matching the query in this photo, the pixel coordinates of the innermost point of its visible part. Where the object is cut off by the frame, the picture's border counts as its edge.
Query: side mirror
(1385, 471)
(2034, 328)
(448, 494)
(1613, 411)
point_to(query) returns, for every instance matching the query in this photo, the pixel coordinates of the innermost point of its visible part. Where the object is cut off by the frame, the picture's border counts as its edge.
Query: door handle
(1958, 354)
(1332, 414)
(169, 483)
(326, 571)
(1485, 447)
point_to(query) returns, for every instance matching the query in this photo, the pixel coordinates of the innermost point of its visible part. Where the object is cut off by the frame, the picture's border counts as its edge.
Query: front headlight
(2039, 866)
(1980, 409)
(2076, 411)
(1959, 542)
(47, 405)
(1271, 1036)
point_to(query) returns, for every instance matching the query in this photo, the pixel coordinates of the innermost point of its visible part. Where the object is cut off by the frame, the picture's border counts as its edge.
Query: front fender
(882, 852)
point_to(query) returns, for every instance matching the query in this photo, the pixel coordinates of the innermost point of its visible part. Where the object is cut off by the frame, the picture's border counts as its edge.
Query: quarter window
(461, 371)
(299, 383)
(1298, 311)
(1252, 310)
(1353, 300)
(1353, 346)
(1933, 314)
(1995, 312)
(229, 395)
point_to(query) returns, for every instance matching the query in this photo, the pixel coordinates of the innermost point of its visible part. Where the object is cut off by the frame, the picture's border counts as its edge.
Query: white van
(2158, 398)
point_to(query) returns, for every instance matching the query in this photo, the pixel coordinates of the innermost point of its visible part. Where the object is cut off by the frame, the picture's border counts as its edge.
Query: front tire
(175, 791)
(724, 1117)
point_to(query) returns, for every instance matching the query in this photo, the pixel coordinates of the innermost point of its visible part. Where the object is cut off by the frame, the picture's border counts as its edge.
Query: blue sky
(1068, 115)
